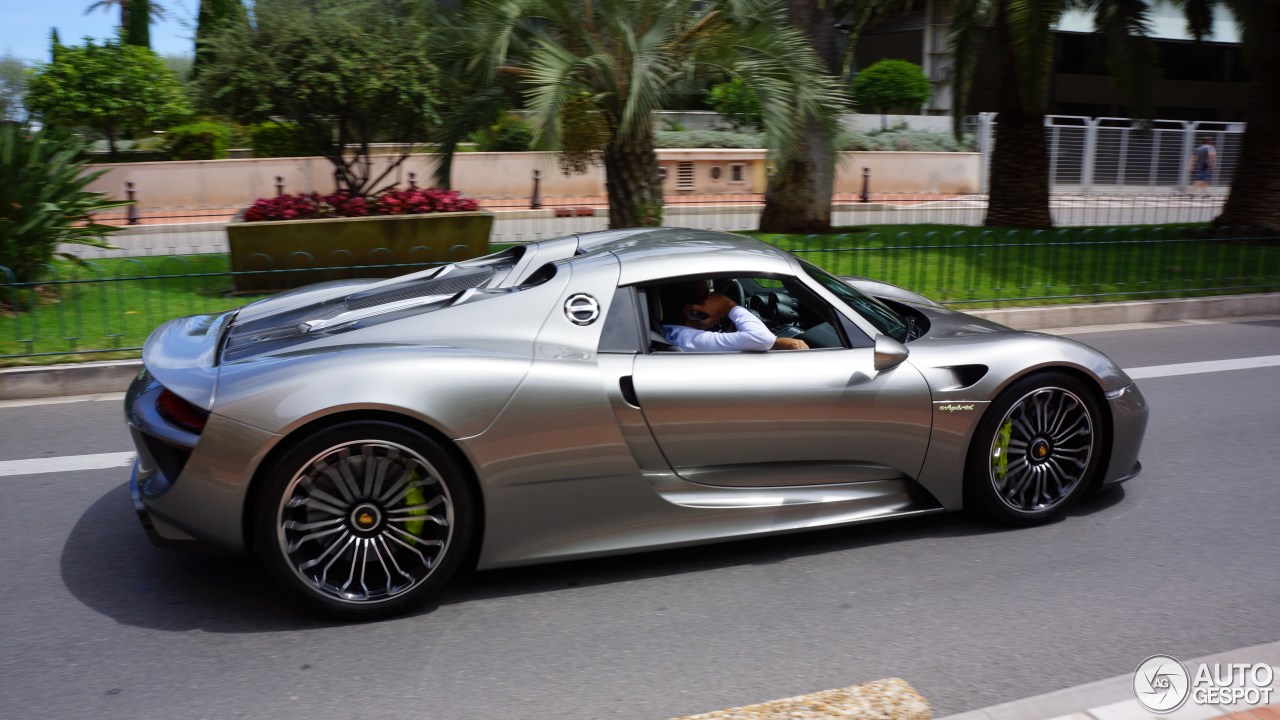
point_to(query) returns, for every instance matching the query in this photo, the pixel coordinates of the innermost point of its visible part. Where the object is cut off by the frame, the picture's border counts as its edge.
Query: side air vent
(966, 375)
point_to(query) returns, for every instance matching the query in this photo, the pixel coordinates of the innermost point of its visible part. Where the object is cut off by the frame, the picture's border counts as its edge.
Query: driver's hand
(716, 305)
(789, 344)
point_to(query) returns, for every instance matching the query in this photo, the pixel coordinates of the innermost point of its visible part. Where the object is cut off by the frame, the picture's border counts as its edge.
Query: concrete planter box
(303, 246)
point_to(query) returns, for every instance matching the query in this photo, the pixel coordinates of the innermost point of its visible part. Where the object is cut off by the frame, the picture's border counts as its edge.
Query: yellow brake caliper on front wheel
(1000, 453)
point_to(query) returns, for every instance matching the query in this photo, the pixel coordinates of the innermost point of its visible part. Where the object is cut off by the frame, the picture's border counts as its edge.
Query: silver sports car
(368, 438)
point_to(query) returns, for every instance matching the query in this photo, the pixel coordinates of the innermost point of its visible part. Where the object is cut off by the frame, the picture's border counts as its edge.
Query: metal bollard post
(132, 212)
(865, 195)
(535, 202)
(279, 185)
(413, 180)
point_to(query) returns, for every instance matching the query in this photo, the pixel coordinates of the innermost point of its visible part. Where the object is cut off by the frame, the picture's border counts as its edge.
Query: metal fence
(110, 305)
(1121, 155)
(204, 231)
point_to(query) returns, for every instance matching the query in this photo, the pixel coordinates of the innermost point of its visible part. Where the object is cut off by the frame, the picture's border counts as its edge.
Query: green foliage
(892, 84)
(113, 88)
(905, 140)
(629, 58)
(345, 72)
(43, 202)
(13, 87)
(197, 141)
(273, 139)
(707, 139)
(737, 103)
(212, 16)
(511, 133)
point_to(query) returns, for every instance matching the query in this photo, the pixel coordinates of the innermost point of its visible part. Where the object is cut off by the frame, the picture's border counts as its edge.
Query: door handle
(629, 391)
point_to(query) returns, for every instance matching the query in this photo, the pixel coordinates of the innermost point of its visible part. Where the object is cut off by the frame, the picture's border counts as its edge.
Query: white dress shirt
(751, 335)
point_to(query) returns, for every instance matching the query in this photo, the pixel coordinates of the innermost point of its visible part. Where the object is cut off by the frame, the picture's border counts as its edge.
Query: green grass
(73, 313)
(980, 267)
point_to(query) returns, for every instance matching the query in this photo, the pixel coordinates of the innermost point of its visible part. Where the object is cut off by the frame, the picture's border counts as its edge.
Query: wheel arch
(300, 433)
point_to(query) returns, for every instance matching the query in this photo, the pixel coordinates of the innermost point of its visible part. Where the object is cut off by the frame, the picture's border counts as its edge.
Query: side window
(622, 332)
(784, 305)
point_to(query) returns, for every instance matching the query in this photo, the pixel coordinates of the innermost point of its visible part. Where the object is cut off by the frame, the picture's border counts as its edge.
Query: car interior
(785, 307)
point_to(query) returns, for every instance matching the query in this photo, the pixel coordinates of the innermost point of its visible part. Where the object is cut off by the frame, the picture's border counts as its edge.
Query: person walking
(1203, 160)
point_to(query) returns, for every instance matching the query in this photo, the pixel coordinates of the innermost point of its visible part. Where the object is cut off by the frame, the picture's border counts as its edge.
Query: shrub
(273, 139)
(905, 140)
(340, 204)
(707, 139)
(891, 84)
(511, 133)
(737, 103)
(197, 141)
(43, 202)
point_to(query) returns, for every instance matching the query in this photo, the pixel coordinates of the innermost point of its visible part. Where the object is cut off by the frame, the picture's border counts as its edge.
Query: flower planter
(280, 255)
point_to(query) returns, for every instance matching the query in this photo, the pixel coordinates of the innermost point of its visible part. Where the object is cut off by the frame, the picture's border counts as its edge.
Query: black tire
(1036, 450)
(364, 520)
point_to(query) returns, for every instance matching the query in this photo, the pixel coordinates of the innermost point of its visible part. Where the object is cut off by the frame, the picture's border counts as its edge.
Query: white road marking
(62, 400)
(66, 463)
(1156, 371)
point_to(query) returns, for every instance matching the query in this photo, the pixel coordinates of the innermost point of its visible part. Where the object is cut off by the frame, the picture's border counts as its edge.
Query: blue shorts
(1203, 175)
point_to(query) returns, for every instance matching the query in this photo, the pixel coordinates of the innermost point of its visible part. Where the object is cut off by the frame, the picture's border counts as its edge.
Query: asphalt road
(1183, 560)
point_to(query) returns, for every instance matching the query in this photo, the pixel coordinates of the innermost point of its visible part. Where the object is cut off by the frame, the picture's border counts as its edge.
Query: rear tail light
(181, 413)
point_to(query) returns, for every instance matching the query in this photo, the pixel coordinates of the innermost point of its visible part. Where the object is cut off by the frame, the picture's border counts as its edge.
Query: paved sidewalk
(1114, 699)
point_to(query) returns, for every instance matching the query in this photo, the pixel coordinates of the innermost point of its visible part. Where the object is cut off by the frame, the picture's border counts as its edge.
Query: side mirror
(889, 353)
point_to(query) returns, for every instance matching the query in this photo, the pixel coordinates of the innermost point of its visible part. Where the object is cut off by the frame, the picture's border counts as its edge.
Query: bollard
(865, 195)
(535, 202)
(279, 185)
(132, 212)
(413, 180)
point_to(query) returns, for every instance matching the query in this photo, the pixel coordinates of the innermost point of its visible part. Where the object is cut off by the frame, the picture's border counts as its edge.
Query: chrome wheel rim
(1041, 450)
(365, 521)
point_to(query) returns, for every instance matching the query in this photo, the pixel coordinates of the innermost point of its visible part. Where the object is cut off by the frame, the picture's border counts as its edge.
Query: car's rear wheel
(364, 519)
(1036, 449)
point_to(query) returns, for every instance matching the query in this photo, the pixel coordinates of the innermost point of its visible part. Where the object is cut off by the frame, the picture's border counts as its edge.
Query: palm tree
(799, 195)
(1252, 200)
(1018, 36)
(601, 67)
(156, 11)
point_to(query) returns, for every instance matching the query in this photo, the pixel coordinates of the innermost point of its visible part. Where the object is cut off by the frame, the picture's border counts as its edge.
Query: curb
(879, 700)
(91, 378)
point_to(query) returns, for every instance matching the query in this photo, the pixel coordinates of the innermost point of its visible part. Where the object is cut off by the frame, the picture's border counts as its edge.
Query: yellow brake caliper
(1000, 455)
(413, 498)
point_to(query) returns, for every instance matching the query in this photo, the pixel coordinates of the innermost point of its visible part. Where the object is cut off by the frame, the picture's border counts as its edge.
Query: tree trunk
(799, 195)
(1019, 194)
(632, 181)
(1256, 186)
(138, 24)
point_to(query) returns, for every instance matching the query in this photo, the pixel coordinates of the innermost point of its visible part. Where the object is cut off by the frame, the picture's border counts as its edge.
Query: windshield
(875, 312)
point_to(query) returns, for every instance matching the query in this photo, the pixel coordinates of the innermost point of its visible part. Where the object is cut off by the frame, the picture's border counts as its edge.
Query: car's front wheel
(1036, 449)
(364, 519)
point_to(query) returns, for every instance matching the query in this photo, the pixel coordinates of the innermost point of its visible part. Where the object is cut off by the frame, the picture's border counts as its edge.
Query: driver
(702, 310)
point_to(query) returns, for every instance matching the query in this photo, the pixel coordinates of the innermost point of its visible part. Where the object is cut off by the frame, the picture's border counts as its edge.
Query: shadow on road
(109, 565)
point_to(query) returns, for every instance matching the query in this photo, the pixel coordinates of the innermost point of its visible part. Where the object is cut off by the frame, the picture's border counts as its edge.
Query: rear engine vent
(448, 285)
